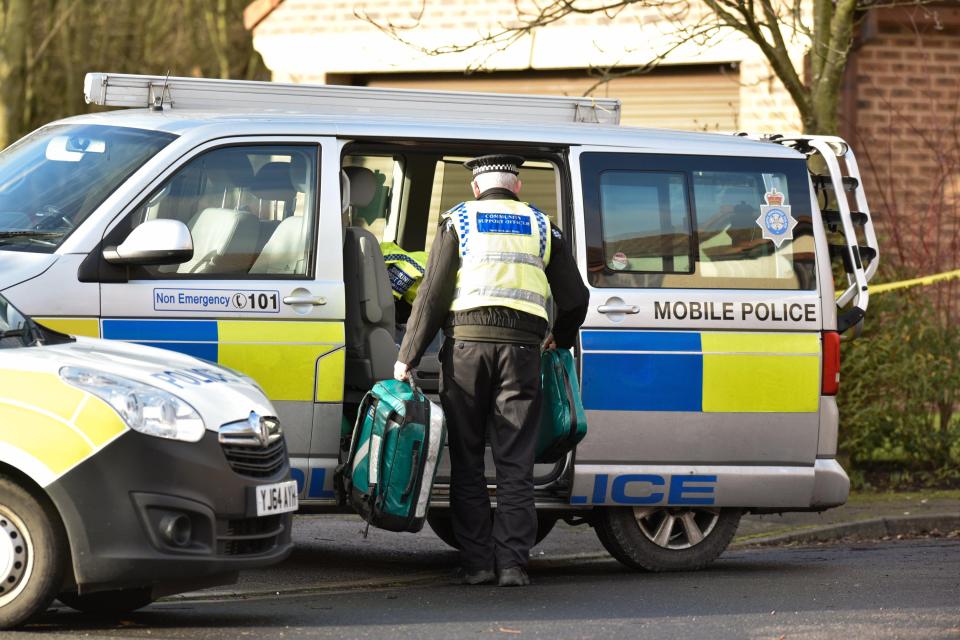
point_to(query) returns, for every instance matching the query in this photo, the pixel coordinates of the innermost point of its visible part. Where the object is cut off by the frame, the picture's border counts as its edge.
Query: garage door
(689, 98)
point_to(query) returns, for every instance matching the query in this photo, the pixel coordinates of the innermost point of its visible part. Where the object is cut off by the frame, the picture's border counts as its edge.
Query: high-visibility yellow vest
(504, 249)
(405, 268)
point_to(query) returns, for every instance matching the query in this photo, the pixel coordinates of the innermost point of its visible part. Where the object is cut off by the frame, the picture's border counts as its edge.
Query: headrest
(273, 182)
(344, 194)
(363, 185)
(228, 167)
(299, 173)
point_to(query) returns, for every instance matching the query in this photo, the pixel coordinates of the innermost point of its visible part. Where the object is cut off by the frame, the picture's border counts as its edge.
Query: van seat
(224, 241)
(285, 251)
(370, 316)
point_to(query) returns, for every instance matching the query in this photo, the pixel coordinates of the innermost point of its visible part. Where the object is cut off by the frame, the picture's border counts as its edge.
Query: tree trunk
(14, 38)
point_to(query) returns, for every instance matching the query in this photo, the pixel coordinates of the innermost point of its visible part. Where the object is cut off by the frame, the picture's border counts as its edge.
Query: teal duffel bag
(563, 423)
(394, 452)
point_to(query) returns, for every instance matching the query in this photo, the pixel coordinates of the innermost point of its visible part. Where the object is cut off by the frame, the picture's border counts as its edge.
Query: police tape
(915, 282)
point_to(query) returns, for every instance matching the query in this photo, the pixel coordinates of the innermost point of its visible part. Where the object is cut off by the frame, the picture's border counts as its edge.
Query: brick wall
(905, 123)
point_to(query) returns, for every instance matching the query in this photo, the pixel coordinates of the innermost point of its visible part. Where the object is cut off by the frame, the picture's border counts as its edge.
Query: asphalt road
(904, 589)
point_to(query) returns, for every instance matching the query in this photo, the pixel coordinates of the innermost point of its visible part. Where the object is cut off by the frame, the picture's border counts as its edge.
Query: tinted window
(646, 222)
(698, 222)
(54, 178)
(251, 212)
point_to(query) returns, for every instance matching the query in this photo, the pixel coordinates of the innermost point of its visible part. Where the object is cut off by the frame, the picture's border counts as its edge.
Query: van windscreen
(51, 180)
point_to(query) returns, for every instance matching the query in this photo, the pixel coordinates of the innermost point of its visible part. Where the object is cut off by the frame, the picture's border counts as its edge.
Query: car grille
(256, 462)
(254, 447)
(249, 536)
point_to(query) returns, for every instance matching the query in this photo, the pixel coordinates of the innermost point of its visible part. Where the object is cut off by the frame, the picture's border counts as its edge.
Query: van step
(850, 183)
(840, 251)
(832, 217)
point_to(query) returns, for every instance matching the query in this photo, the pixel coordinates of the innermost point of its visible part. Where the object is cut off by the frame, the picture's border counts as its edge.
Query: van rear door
(702, 344)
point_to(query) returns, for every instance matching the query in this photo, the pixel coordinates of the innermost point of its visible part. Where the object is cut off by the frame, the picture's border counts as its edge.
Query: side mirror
(153, 242)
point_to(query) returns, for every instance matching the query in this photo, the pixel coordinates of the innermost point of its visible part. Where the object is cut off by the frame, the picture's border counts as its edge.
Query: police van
(241, 223)
(128, 473)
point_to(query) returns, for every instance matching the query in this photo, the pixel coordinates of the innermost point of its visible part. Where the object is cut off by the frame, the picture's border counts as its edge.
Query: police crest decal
(775, 219)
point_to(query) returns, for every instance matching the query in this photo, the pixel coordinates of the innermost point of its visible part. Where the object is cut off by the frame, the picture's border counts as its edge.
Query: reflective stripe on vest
(509, 258)
(504, 249)
(405, 269)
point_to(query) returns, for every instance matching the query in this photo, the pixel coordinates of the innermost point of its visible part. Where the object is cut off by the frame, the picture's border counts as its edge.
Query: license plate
(280, 497)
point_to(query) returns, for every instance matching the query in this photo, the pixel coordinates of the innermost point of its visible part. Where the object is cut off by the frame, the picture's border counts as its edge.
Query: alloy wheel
(676, 528)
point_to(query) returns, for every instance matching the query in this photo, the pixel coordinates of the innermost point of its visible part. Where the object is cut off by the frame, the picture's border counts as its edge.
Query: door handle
(313, 300)
(618, 308)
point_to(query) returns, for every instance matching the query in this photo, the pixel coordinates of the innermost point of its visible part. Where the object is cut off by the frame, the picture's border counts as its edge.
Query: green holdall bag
(394, 452)
(563, 423)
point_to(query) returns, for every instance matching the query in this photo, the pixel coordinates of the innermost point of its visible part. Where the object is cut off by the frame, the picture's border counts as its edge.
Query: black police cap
(500, 162)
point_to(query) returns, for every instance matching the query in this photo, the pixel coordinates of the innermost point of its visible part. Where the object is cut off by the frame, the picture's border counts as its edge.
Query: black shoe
(473, 577)
(513, 577)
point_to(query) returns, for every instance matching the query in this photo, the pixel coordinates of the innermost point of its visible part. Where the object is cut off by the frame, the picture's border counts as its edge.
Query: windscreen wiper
(12, 333)
(45, 238)
(27, 233)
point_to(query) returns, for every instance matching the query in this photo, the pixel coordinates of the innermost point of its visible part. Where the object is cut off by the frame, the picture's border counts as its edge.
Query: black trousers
(493, 387)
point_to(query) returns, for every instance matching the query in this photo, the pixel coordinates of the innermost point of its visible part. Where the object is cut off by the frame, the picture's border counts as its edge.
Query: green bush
(899, 391)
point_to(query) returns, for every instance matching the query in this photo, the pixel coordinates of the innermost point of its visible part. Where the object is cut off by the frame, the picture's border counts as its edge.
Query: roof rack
(158, 92)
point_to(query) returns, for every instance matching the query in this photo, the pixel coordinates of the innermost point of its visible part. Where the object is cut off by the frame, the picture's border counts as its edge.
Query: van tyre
(442, 525)
(108, 603)
(33, 554)
(666, 539)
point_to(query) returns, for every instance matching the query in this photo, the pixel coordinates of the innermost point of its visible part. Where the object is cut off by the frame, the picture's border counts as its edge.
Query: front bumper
(121, 506)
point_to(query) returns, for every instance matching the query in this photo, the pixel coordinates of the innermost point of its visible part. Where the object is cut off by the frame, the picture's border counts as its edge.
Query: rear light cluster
(831, 363)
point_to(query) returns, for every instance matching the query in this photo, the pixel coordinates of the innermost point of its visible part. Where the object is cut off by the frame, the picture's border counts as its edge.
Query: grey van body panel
(675, 437)
(205, 125)
(829, 427)
(46, 294)
(823, 484)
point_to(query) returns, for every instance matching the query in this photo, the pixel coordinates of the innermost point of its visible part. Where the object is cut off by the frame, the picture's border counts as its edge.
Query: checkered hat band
(499, 168)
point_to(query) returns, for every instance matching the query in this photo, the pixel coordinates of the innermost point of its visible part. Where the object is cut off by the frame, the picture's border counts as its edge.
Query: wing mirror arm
(154, 242)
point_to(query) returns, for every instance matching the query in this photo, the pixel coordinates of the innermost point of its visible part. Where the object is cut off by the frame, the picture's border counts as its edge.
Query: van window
(371, 181)
(251, 212)
(54, 178)
(451, 186)
(691, 222)
(646, 222)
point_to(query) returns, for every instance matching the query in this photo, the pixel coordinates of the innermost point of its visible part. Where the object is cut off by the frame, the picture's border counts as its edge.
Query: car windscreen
(51, 180)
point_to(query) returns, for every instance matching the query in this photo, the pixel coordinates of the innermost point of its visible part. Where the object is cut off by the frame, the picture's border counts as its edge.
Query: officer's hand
(549, 344)
(401, 371)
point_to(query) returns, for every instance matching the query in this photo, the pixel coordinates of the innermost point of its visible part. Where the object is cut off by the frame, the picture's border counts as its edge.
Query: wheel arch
(31, 484)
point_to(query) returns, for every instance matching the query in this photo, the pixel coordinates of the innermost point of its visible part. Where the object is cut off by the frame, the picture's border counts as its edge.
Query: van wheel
(666, 538)
(32, 554)
(108, 603)
(442, 525)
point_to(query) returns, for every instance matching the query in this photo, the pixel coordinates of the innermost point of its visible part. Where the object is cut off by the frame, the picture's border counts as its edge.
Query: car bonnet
(218, 395)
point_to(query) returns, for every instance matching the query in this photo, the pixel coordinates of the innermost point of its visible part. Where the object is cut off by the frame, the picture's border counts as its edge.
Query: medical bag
(394, 452)
(563, 423)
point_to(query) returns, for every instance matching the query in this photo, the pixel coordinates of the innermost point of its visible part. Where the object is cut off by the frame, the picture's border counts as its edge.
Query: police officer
(405, 269)
(491, 271)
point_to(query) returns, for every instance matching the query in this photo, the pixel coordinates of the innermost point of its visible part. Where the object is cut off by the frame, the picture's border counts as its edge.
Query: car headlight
(144, 408)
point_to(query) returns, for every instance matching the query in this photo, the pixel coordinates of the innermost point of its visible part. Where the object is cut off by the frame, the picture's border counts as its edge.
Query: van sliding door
(702, 343)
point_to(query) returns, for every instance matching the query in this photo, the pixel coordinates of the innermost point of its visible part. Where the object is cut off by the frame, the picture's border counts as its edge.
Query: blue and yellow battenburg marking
(294, 361)
(51, 426)
(710, 372)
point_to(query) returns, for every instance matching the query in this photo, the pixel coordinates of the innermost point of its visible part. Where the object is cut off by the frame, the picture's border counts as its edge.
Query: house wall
(335, 41)
(904, 122)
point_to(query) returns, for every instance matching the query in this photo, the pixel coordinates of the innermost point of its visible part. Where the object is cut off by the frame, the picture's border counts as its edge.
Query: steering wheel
(52, 219)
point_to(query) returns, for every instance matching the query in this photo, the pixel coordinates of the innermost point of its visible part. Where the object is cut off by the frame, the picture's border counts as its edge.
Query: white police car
(128, 473)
